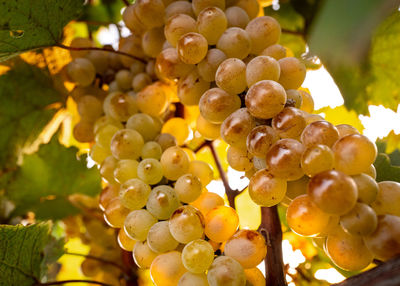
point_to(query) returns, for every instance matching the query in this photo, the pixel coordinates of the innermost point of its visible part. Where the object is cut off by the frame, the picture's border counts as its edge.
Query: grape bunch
(222, 61)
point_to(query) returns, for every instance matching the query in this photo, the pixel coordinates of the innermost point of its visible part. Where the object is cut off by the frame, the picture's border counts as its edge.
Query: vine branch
(126, 2)
(270, 228)
(99, 259)
(296, 33)
(72, 281)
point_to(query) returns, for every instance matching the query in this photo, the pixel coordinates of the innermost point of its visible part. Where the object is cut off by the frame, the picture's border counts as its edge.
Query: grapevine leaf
(25, 252)
(341, 115)
(46, 179)
(27, 104)
(103, 11)
(393, 155)
(31, 24)
(385, 171)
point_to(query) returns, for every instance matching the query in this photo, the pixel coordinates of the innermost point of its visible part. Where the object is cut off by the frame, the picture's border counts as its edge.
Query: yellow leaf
(248, 211)
(392, 142)
(341, 115)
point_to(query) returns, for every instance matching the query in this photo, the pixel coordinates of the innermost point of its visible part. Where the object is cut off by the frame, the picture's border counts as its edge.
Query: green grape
(384, 242)
(207, 201)
(81, 71)
(284, 159)
(162, 202)
(115, 213)
(289, 123)
(106, 120)
(138, 223)
(231, 76)
(262, 68)
(191, 279)
(152, 42)
(348, 252)
(137, 67)
(294, 97)
(186, 224)
(119, 106)
(200, 5)
(388, 198)
(275, 51)
(175, 162)
(211, 23)
(132, 21)
(235, 43)
(167, 268)
(131, 45)
(237, 17)
(166, 140)
(98, 154)
(107, 194)
(89, 107)
(305, 218)
(125, 169)
(178, 7)
(153, 99)
(263, 32)
(140, 81)
(150, 12)
(265, 189)
(247, 247)
(126, 144)
(260, 139)
(254, 277)
(83, 131)
(208, 130)
(107, 169)
(124, 79)
(361, 220)
(236, 127)
(333, 191)
(144, 124)
(239, 160)
(192, 48)
(207, 68)
(216, 105)
(226, 271)
(150, 171)
(221, 223)
(143, 255)
(265, 99)
(367, 188)
(319, 132)
(354, 154)
(150, 69)
(80, 42)
(197, 256)
(293, 73)
(201, 170)
(316, 159)
(151, 149)
(177, 26)
(168, 65)
(252, 7)
(191, 88)
(134, 193)
(160, 239)
(104, 136)
(188, 188)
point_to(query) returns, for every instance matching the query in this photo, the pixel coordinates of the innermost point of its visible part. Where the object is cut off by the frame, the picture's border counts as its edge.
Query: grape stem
(231, 194)
(72, 281)
(386, 274)
(88, 256)
(98, 49)
(296, 33)
(270, 228)
(126, 2)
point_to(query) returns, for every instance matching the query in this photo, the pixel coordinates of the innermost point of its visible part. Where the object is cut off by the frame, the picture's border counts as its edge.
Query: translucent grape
(83, 131)
(254, 277)
(317, 159)
(107, 194)
(250, 6)
(265, 99)
(124, 79)
(140, 81)
(192, 48)
(200, 5)
(297, 188)
(260, 140)
(167, 268)
(361, 220)
(201, 170)
(132, 21)
(178, 7)
(289, 123)
(150, 171)
(134, 193)
(345, 129)
(160, 239)
(138, 223)
(175, 163)
(162, 202)
(115, 213)
(265, 189)
(150, 12)
(207, 201)
(367, 188)
(188, 188)
(226, 271)
(208, 130)
(186, 224)
(319, 132)
(166, 140)
(235, 43)
(125, 169)
(131, 45)
(126, 144)
(333, 191)
(143, 255)
(119, 106)
(239, 159)
(191, 88)
(263, 32)
(237, 17)
(89, 107)
(105, 134)
(197, 256)
(168, 65)
(307, 103)
(221, 223)
(153, 99)
(106, 120)
(177, 26)
(191, 279)
(231, 76)
(124, 241)
(177, 127)
(81, 71)
(388, 198)
(293, 73)
(262, 68)
(80, 42)
(151, 149)
(152, 42)
(207, 68)
(275, 51)
(98, 153)
(294, 98)
(236, 127)
(211, 23)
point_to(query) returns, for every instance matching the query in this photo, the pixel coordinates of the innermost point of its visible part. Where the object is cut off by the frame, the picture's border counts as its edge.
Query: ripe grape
(293, 73)
(207, 68)
(177, 26)
(319, 132)
(80, 42)
(106, 120)
(124, 241)
(191, 279)
(262, 68)
(140, 81)
(297, 188)
(115, 213)
(221, 223)
(89, 107)
(167, 268)
(254, 277)
(211, 23)
(192, 48)
(168, 65)
(159, 238)
(207, 201)
(247, 247)
(151, 149)
(200, 5)
(263, 32)
(83, 131)
(239, 159)
(201, 170)
(252, 7)
(260, 140)
(294, 99)
(143, 255)
(307, 103)
(226, 271)
(265, 99)
(186, 224)
(231, 76)
(120, 106)
(98, 153)
(150, 171)
(361, 220)
(345, 129)
(133, 194)
(138, 223)
(152, 42)
(188, 188)
(105, 134)
(191, 88)
(166, 140)
(162, 202)
(265, 189)
(236, 127)
(153, 99)
(81, 71)
(175, 162)
(237, 17)
(197, 256)
(289, 123)
(367, 188)
(208, 130)
(388, 198)
(316, 159)
(177, 127)
(132, 21)
(275, 51)
(107, 194)
(126, 144)
(235, 43)
(125, 169)
(333, 191)
(124, 79)
(178, 7)
(150, 12)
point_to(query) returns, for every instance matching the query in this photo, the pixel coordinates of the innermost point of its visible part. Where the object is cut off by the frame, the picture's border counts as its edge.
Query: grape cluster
(221, 59)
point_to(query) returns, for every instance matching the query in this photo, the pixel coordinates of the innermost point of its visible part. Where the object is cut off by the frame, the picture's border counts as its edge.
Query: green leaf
(31, 24)
(26, 95)
(106, 11)
(385, 171)
(25, 252)
(394, 155)
(46, 178)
